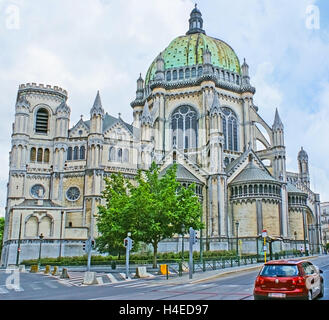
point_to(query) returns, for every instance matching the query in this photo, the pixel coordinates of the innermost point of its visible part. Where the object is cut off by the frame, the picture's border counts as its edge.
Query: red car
(289, 279)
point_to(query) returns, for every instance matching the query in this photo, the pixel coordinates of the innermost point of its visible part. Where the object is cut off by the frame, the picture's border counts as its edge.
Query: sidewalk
(213, 274)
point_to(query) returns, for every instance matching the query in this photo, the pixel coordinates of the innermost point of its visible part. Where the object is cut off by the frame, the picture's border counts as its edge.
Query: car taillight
(259, 281)
(298, 281)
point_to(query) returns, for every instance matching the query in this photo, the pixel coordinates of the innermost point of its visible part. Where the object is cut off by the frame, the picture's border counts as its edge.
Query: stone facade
(196, 109)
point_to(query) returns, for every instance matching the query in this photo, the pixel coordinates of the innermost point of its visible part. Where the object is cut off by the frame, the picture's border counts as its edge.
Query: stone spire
(215, 107)
(160, 72)
(146, 117)
(196, 22)
(140, 88)
(245, 73)
(97, 109)
(278, 125)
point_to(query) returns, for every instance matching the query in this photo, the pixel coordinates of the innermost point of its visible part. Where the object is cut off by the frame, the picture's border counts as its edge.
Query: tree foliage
(152, 210)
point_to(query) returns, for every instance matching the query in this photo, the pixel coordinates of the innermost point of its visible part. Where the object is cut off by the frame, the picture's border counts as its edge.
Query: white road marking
(3, 290)
(112, 278)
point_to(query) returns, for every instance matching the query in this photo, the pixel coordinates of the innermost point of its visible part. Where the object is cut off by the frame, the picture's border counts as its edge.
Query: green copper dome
(188, 51)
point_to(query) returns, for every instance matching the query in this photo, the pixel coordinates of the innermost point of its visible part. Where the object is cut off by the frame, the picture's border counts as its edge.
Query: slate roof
(292, 189)
(182, 174)
(253, 173)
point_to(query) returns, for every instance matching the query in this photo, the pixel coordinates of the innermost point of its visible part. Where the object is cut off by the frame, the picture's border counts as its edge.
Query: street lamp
(40, 237)
(237, 237)
(295, 234)
(183, 232)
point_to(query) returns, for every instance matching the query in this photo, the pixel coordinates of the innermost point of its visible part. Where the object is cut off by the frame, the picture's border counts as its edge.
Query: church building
(194, 108)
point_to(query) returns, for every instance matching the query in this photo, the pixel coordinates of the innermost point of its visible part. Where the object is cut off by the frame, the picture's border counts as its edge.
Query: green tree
(162, 206)
(2, 228)
(113, 221)
(152, 210)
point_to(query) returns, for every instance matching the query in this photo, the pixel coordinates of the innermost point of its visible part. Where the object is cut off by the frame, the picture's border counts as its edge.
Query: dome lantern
(196, 22)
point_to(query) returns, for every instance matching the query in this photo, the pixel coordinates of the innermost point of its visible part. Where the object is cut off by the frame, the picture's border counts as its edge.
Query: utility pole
(19, 241)
(128, 243)
(193, 240)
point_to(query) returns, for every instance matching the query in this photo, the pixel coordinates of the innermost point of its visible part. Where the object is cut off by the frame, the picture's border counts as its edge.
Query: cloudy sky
(89, 45)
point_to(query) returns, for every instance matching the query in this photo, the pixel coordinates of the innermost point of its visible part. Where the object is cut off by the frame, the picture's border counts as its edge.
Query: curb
(224, 273)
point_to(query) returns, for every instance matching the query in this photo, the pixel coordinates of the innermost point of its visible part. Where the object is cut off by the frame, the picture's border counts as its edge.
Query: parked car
(289, 279)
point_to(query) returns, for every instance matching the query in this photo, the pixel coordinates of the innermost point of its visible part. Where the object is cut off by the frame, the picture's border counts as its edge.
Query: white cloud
(105, 44)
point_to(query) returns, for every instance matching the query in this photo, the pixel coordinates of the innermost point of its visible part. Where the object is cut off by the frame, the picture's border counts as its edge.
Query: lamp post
(39, 261)
(183, 232)
(237, 237)
(295, 234)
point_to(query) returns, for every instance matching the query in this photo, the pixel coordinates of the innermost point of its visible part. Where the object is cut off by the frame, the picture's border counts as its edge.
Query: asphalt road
(230, 287)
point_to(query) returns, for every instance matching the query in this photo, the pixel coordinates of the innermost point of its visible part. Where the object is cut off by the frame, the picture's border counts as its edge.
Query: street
(237, 286)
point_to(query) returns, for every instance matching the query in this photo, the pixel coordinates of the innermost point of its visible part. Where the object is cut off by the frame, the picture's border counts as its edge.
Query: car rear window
(279, 270)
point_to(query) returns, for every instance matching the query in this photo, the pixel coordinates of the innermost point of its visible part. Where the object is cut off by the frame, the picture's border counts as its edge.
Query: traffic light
(131, 244)
(93, 244)
(125, 242)
(84, 245)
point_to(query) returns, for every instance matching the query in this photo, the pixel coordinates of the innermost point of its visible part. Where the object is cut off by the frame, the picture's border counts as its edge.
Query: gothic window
(181, 74)
(69, 153)
(82, 153)
(41, 124)
(126, 155)
(73, 194)
(46, 156)
(31, 227)
(230, 129)
(200, 71)
(168, 76)
(184, 125)
(112, 154)
(76, 153)
(120, 155)
(33, 155)
(39, 155)
(193, 72)
(174, 75)
(226, 161)
(45, 226)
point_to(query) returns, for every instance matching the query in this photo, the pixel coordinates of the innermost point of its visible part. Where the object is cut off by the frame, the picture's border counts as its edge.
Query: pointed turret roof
(215, 107)
(97, 109)
(302, 155)
(146, 117)
(278, 125)
(63, 107)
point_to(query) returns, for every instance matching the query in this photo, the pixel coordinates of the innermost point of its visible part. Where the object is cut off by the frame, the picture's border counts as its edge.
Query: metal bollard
(180, 269)
(167, 271)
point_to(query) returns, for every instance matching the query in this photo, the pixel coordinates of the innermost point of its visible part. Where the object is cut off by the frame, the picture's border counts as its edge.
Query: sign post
(193, 240)
(264, 235)
(128, 243)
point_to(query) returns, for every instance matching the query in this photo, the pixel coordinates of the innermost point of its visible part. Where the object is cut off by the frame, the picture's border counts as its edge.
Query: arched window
(200, 71)
(193, 72)
(169, 76)
(46, 156)
(112, 154)
(41, 123)
(31, 227)
(226, 161)
(39, 155)
(181, 74)
(174, 75)
(187, 73)
(184, 125)
(82, 153)
(76, 153)
(120, 155)
(125, 155)
(230, 129)
(33, 155)
(69, 153)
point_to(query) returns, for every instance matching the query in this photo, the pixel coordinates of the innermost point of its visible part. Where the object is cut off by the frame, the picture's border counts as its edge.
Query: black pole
(19, 242)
